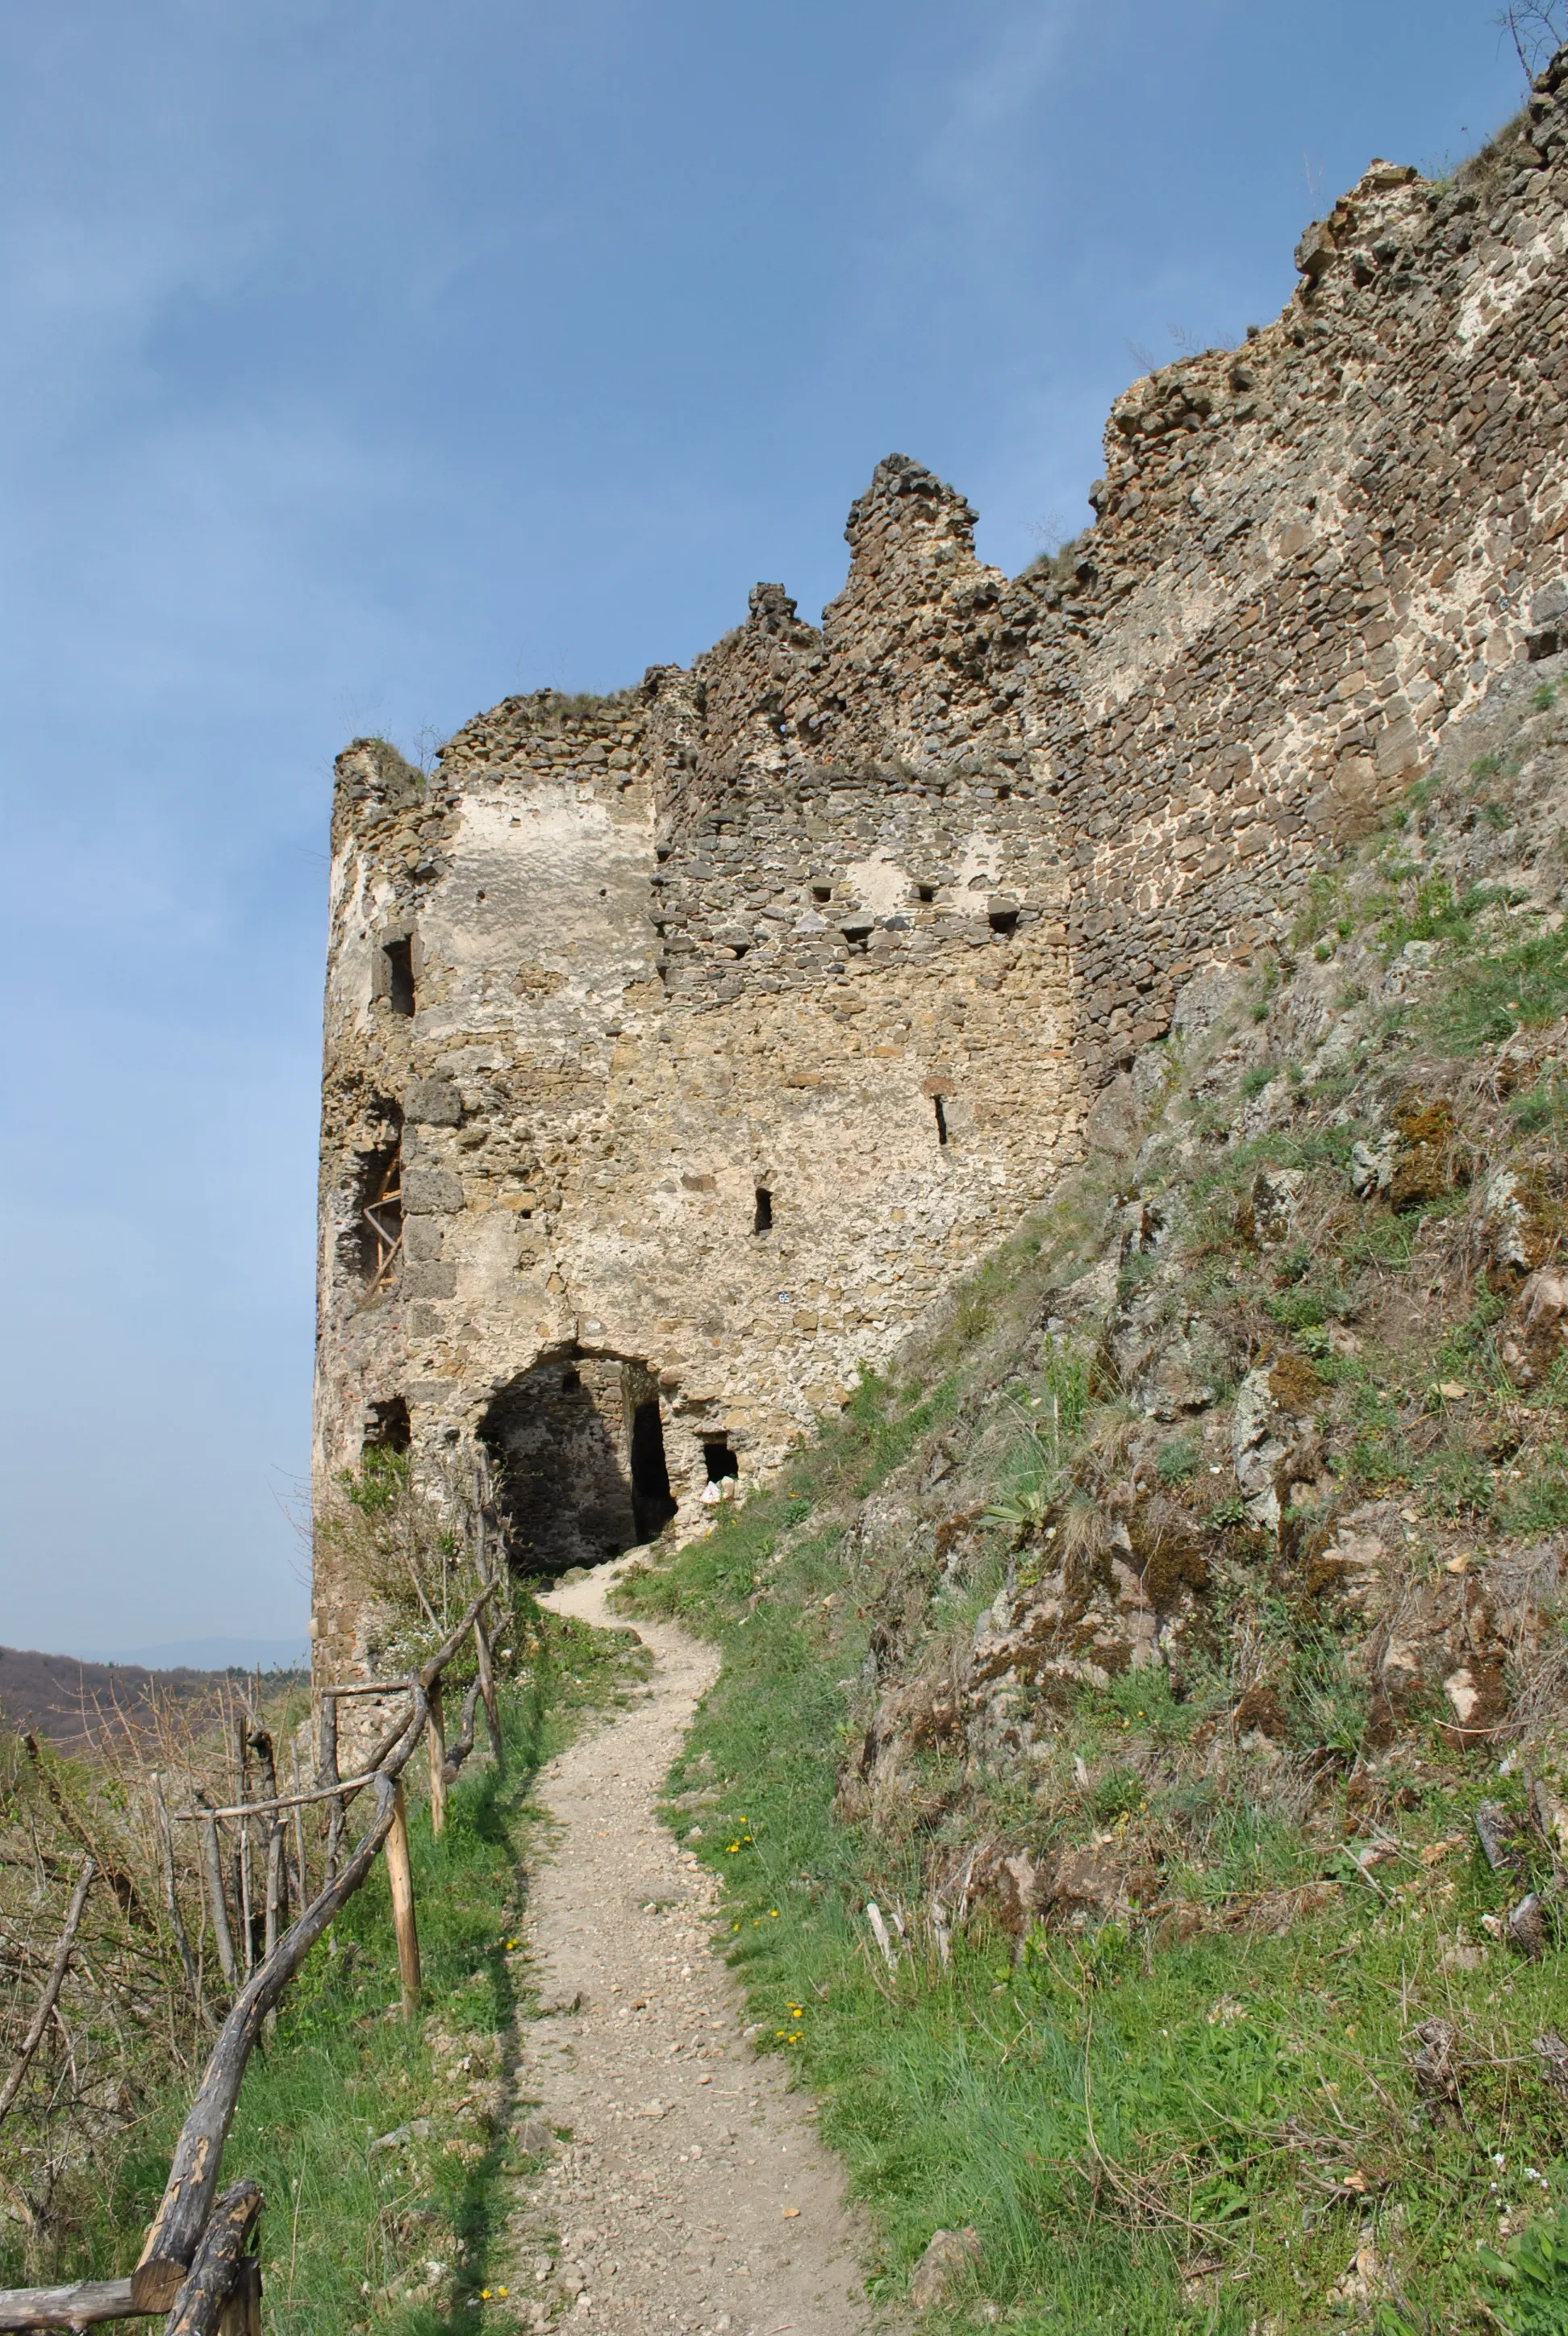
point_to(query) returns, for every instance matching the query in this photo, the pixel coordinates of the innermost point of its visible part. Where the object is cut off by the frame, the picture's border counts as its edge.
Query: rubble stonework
(752, 1006)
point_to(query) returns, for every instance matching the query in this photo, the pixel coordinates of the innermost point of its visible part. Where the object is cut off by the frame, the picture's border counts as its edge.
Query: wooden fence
(196, 2268)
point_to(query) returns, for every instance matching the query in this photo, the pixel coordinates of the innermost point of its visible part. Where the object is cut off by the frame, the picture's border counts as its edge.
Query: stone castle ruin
(684, 1047)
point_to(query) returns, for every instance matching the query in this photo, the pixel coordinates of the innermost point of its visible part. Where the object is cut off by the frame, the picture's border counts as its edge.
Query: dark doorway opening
(576, 1448)
(652, 1501)
(942, 1120)
(720, 1463)
(761, 1222)
(399, 956)
(387, 1428)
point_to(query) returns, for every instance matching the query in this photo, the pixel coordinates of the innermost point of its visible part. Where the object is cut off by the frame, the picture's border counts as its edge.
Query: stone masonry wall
(859, 918)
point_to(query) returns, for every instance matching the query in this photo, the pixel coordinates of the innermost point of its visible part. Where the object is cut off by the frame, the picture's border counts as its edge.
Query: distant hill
(65, 1699)
(210, 1654)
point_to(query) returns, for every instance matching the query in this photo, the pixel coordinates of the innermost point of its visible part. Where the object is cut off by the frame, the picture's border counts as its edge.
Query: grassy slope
(349, 2231)
(1200, 2112)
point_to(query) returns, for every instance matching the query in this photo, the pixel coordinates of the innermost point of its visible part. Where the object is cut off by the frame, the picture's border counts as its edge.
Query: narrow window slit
(942, 1120)
(399, 956)
(761, 1222)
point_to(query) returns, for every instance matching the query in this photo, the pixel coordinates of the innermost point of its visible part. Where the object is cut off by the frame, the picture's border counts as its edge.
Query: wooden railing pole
(85, 2304)
(327, 1773)
(183, 2214)
(437, 1744)
(400, 1874)
(186, 2199)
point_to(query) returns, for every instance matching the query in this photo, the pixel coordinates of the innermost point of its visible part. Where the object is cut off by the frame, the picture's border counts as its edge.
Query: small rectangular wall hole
(761, 1222)
(386, 1426)
(399, 956)
(373, 1238)
(942, 1120)
(720, 1462)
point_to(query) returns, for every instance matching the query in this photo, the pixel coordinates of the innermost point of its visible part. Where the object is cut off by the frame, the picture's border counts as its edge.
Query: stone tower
(685, 1045)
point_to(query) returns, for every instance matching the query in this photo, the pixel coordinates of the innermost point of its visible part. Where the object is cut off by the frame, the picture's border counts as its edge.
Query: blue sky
(363, 363)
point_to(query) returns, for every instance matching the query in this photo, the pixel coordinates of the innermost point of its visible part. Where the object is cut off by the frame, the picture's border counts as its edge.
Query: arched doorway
(576, 1447)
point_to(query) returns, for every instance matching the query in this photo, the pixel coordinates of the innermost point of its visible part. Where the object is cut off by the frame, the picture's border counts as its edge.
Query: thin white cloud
(967, 158)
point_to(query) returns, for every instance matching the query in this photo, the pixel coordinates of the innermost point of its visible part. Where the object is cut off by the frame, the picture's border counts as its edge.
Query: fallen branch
(53, 1986)
(461, 1745)
(132, 1901)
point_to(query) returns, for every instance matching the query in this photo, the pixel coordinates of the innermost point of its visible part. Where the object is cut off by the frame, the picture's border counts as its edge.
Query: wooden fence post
(241, 1779)
(437, 1760)
(326, 1763)
(241, 2314)
(218, 1907)
(487, 1684)
(171, 1897)
(400, 1874)
(481, 1496)
(217, 2288)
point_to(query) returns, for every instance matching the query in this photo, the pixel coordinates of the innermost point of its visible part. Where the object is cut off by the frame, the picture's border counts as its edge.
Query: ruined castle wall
(1310, 555)
(857, 918)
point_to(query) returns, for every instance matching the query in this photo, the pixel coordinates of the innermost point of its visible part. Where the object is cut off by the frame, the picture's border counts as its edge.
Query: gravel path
(694, 2193)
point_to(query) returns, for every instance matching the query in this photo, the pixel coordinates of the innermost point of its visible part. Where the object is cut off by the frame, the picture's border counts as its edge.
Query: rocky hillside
(1139, 1760)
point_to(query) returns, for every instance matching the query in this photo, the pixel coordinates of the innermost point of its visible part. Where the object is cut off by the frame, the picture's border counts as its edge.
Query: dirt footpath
(694, 2193)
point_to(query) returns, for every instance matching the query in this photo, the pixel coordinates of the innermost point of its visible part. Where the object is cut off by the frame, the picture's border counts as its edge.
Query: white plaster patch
(1499, 294)
(879, 883)
(981, 857)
